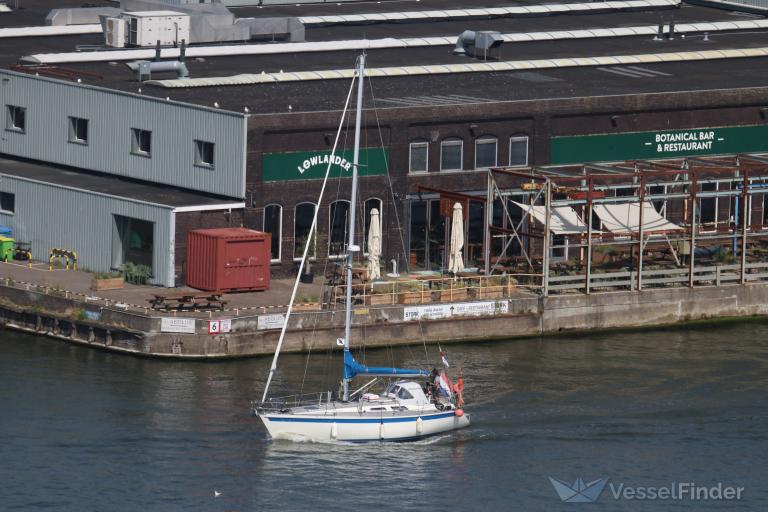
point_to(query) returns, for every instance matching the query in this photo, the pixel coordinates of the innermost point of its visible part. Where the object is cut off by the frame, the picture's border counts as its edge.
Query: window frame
(199, 144)
(280, 232)
(73, 124)
(136, 142)
(10, 120)
(314, 248)
(12, 196)
(487, 140)
(418, 144)
(519, 138)
(330, 228)
(450, 142)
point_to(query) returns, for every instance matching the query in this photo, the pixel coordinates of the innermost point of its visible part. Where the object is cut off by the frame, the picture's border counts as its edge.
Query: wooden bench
(188, 301)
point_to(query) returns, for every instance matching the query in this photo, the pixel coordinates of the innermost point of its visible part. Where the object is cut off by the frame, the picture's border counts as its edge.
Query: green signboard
(660, 144)
(311, 165)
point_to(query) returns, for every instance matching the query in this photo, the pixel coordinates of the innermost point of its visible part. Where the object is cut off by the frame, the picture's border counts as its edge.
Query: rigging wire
(394, 205)
(312, 230)
(327, 372)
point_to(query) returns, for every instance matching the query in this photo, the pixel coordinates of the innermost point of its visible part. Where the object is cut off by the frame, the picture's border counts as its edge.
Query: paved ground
(78, 282)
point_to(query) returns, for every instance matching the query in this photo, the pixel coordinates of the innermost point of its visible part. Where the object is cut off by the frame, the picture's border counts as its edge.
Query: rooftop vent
(144, 68)
(477, 44)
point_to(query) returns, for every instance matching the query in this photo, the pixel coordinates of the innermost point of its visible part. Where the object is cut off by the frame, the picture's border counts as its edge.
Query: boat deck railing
(280, 403)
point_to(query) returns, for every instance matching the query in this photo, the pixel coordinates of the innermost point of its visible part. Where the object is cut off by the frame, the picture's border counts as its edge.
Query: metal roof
(485, 12)
(52, 30)
(468, 67)
(368, 44)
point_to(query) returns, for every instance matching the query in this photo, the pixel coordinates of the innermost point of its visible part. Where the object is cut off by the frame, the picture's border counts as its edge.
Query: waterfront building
(120, 169)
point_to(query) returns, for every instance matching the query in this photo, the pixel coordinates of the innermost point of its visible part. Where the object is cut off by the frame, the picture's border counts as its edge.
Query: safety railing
(656, 278)
(425, 290)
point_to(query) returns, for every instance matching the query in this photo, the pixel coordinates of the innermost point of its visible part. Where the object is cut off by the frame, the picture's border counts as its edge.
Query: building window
(419, 157)
(78, 130)
(302, 225)
(16, 119)
(426, 236)
(141, 142)
(204, 153)
(485, 152)
(451, 154)
(518, 151)
(370, 204)
(7, 202)
(273, 224)
(338, 215)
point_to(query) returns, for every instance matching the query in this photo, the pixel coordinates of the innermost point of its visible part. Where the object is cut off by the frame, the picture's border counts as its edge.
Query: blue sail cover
(352, 368)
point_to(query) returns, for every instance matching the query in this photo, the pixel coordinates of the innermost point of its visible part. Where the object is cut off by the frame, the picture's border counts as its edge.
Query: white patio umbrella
(374, 246)
(455, 260)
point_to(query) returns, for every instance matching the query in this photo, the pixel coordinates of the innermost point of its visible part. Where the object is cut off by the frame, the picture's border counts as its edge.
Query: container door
(245, 264)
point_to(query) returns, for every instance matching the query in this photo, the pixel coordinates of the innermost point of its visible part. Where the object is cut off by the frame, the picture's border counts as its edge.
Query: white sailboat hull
(361, 427)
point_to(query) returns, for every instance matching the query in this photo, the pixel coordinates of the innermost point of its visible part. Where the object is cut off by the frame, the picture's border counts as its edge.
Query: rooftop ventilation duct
(144, 68)
(477, 44)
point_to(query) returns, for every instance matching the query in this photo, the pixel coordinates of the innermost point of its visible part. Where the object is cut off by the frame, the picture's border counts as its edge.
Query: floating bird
(246, 109)
(216, 493)
(216, 104)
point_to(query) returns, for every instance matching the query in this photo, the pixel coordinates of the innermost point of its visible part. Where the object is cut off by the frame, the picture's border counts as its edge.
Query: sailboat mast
(351, 248)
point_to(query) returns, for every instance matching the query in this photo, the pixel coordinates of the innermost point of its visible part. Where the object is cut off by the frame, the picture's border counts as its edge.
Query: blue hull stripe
(350, 420)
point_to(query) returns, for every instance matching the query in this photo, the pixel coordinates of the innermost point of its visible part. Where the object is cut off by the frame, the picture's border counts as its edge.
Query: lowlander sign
(311, 165)
(661, 144)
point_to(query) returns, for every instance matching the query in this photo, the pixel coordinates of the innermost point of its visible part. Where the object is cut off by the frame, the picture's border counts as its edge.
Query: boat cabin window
(404, 394)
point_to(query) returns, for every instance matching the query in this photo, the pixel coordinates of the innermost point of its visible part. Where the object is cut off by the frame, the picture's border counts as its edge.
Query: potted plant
(107, 281)
(453, 291)
(412, 292)
(136, 274)
(380, 294)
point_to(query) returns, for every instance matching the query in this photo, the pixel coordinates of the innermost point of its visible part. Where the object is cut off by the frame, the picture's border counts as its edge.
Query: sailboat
(414, 403)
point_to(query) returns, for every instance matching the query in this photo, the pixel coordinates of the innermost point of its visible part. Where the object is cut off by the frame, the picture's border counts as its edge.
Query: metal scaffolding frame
(683, 182)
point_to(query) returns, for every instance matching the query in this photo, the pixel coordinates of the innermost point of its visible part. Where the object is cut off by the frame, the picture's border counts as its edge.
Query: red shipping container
(228, 259)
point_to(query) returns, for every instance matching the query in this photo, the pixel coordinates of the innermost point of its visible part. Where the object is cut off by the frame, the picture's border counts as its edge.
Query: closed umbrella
(455, 260)
(374, 246)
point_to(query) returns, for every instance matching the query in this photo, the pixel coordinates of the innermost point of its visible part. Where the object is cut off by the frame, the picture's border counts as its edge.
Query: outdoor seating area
(630, 225)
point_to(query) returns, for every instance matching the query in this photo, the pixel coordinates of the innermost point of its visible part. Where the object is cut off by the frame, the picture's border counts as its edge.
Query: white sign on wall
(182, 325)
(219, 326)
(270, 322)
(438, 311)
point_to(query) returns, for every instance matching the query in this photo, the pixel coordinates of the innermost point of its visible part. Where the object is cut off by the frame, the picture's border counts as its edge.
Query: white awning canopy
(625, 218)
(564, 221)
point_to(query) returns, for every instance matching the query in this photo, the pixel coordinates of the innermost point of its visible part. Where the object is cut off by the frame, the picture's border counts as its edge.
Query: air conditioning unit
(147, 27)
(114, 33)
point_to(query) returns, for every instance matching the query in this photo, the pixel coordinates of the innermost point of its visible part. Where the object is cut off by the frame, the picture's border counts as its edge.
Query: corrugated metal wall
(51, 216)
(111, 115)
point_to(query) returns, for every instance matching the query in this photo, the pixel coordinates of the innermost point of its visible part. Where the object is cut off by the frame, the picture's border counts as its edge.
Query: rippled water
(82, 429)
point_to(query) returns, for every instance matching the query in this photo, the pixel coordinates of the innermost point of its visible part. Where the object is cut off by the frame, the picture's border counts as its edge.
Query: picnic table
(189, 301)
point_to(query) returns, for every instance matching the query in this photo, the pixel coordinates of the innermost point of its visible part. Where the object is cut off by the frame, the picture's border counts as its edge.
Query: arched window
(370, 204)
(273, 224)
(419, 156)
(302, 224)
(518, 151)
(486, 151)
(338, 235)
(451, 154)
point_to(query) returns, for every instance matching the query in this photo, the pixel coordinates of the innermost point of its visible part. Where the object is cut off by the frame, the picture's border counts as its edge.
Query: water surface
(83, 429)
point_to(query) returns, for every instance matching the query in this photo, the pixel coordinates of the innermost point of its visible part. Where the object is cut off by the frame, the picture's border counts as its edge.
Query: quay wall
(63, 317)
